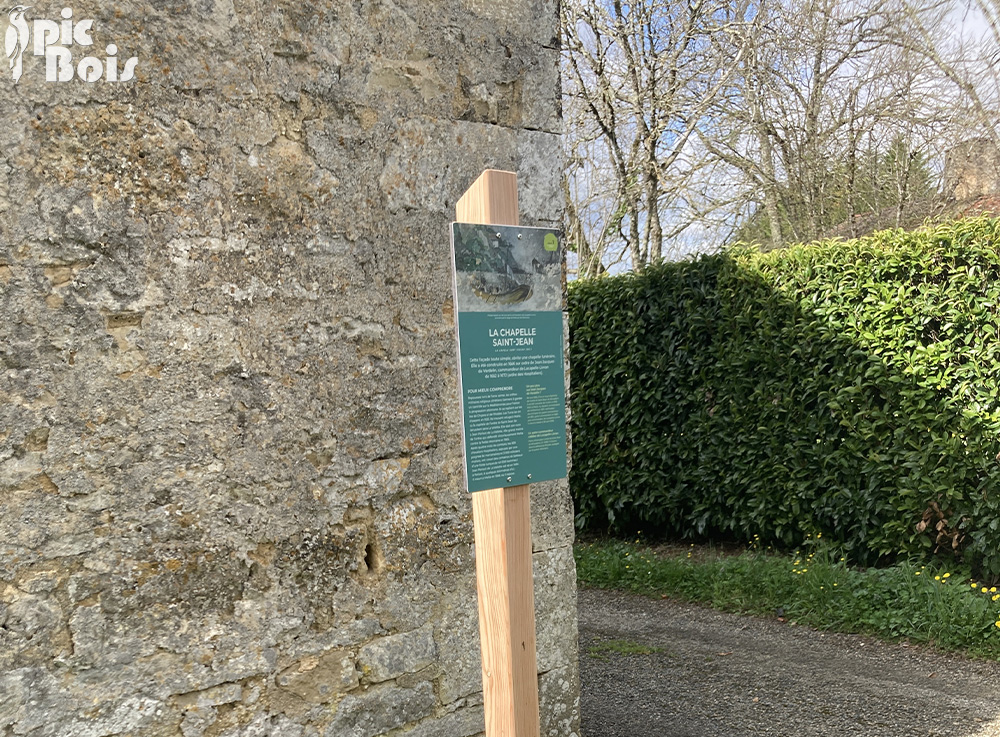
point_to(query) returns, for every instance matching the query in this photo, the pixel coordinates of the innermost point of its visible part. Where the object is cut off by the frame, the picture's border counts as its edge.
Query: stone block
(464, 722)
(559, 702)
(319, 680)
(413, 177)
(396, 655)
(457, 635)
(129, 716)
(224, 693)
(540, 167)
(381, 709)
(552, 515)
(555, 608)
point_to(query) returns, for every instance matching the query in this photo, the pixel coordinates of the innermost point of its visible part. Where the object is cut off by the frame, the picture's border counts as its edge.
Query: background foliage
(844, 388)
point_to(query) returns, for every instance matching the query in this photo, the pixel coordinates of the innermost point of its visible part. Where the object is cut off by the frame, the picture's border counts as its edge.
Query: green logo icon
(551, 243)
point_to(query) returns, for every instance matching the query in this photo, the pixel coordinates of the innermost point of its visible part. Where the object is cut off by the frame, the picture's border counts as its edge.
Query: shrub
(848, 388)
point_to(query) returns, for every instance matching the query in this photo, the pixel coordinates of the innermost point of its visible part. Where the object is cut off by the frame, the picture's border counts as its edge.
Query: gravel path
(701, 673)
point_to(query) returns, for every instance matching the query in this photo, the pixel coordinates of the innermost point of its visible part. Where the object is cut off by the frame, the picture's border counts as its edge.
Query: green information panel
(508, 293)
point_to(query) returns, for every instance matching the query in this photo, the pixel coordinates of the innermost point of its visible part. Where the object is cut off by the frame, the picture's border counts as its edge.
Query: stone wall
(231, 498)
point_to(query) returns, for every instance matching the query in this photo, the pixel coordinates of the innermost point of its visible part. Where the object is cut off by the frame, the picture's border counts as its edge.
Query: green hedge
(849, 389)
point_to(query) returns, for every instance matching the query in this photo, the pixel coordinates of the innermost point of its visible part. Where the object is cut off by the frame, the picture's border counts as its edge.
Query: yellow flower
(917, 573)
(998, 623)
(993, 589)
(946, 575)
(937, 578)
(995, 597)
(973, 584)
(985, 590)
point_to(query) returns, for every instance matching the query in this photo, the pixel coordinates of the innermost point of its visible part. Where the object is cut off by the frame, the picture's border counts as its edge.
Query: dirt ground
(657, 668)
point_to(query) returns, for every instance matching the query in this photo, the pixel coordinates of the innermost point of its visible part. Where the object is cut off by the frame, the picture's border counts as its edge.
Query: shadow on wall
(842, 388)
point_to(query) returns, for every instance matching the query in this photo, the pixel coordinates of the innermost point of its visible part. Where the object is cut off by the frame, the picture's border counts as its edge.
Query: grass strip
(907, 601)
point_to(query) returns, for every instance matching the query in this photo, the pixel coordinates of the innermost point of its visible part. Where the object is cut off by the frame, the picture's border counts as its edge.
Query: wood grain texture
(502, 521)
(492, 199)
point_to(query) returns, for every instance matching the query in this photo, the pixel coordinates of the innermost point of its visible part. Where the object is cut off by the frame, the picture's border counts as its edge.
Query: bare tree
(773, 119)
(639, 79)
(826, 87)
(968, 64)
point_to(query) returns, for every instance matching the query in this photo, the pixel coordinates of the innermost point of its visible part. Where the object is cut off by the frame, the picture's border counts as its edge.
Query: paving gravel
(702, 673)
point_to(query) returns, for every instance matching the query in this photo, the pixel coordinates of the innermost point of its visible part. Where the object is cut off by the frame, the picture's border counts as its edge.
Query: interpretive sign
(508, 299)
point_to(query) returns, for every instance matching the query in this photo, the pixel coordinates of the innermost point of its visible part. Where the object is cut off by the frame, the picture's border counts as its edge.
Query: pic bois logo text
(60, 43)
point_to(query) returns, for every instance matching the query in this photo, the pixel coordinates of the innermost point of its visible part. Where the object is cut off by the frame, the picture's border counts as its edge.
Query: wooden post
(502, 521)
